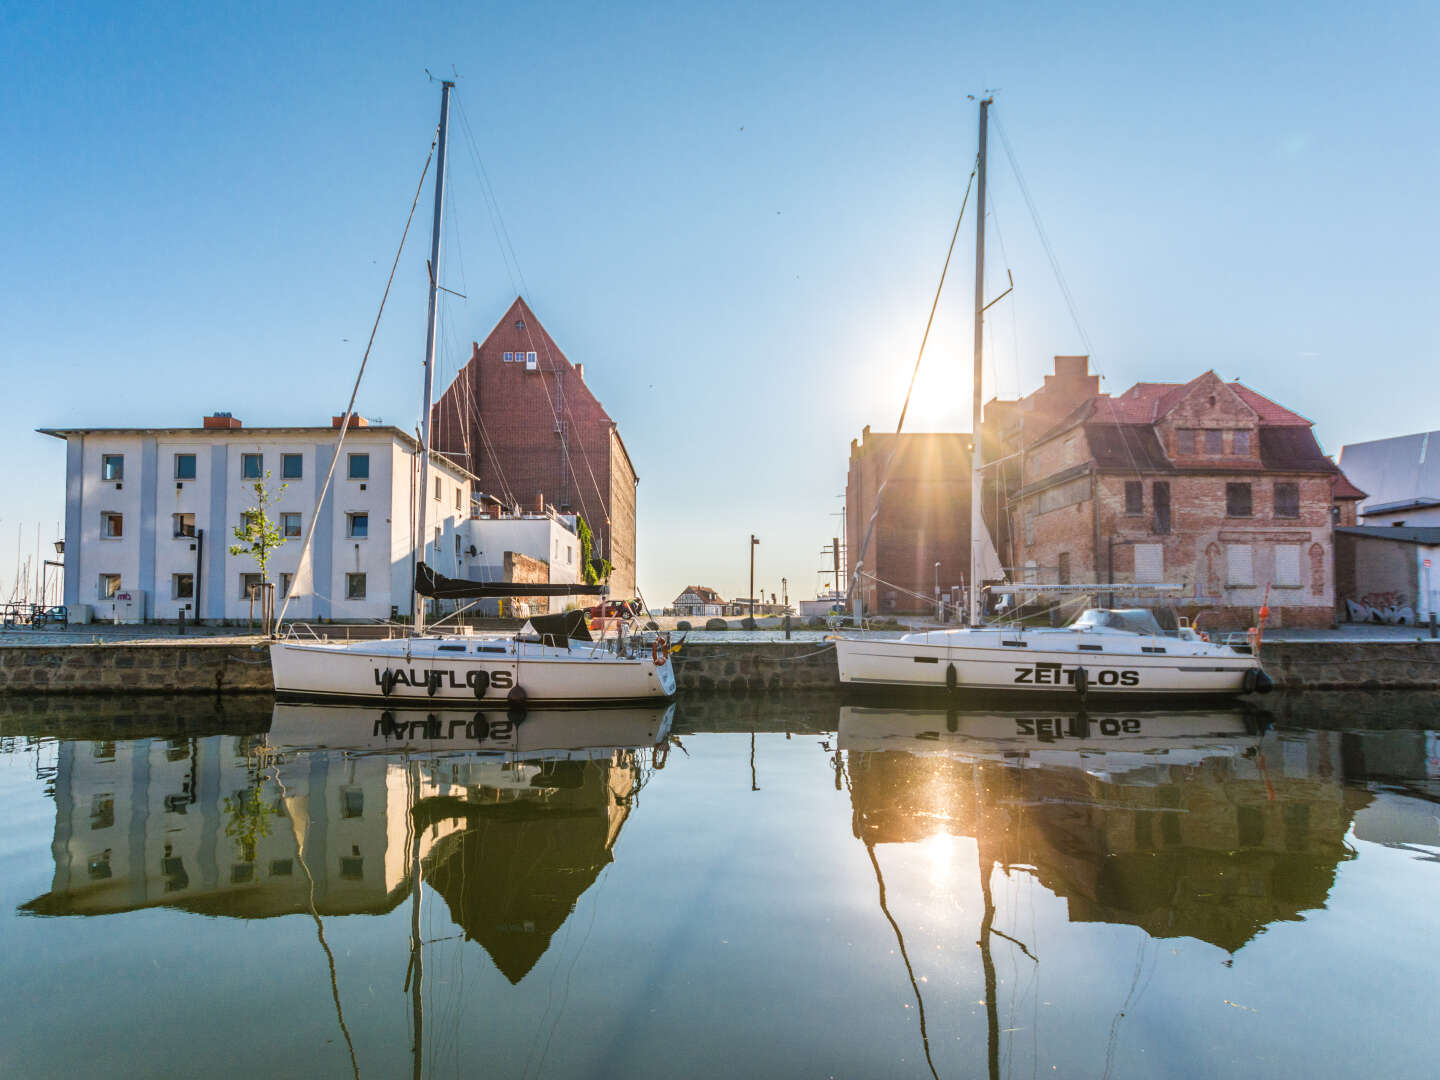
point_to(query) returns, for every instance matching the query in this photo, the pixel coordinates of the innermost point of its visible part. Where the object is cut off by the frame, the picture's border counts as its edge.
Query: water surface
(779, 888)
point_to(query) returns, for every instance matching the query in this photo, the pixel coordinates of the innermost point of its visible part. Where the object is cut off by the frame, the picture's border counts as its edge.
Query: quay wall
(708, 667)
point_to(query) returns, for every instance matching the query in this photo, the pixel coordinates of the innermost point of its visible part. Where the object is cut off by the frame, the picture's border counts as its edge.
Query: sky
(734, 216)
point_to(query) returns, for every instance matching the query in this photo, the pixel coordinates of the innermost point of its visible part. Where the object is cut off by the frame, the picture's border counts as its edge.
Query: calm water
(725, 889)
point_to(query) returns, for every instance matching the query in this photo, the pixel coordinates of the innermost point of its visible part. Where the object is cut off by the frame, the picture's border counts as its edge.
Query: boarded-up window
(1134, 497)
(1149, 563)
(1287, 500)
(1237, 500)
(1287, 565)
(1239, 566)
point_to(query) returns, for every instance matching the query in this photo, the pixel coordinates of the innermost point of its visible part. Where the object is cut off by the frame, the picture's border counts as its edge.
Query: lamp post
(753, 542)
(939, 608)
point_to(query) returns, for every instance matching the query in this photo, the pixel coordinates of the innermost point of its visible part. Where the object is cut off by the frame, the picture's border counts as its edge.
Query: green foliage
(247, 821)
(257, 533)
(593, 568)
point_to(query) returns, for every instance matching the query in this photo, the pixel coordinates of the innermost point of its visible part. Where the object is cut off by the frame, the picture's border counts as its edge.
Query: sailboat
(1106, 653)
(553, 660)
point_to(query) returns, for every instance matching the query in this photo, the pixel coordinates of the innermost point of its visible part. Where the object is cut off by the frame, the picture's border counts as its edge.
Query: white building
(546, 536)
(1401, 478)
(150, 514)
(699, 600)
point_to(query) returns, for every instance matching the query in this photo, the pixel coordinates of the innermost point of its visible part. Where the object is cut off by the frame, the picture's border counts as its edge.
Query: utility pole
(977, 519)
(420, 516)
(753, 542)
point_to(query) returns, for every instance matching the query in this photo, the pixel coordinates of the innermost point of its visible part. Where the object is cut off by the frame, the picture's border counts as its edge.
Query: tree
(257, 534)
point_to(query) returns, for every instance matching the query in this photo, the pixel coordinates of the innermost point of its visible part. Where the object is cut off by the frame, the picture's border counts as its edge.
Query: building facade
(539, 546)
(150, 515)
(1207, 484)
(1400, 476)
(1388, 573)
(699, 600)
(520, 416)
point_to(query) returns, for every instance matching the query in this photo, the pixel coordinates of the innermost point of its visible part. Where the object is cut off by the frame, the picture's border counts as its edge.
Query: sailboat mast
(977, 519)
(420, 517)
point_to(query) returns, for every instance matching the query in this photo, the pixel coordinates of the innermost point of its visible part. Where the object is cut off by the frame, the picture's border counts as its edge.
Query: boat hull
(357, 672)
(1033, 672)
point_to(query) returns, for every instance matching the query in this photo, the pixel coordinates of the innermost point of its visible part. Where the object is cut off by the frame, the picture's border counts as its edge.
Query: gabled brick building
(1207, 484)
(521, 418)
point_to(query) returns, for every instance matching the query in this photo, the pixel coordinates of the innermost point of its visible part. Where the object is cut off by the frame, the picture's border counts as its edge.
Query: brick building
(1207, 484)
(520, 416)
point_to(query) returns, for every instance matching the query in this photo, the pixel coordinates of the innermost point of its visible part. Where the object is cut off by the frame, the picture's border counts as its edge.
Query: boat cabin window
(450, 648)
(1126, 620)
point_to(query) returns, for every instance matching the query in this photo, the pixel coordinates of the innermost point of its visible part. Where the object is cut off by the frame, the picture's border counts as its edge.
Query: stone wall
(145, 668)
(747, 667)
(1350, 665)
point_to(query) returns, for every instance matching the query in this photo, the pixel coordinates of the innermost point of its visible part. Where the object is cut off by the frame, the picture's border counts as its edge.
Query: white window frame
(177, 526)
(245, 584)
(350, 517)
(350, 580)
(175, 586)
(285, 515)
(106, 516)
(112, 593)
(350, 460)
(195, 460)
(260, 466)
(287, 457)
(105, 460)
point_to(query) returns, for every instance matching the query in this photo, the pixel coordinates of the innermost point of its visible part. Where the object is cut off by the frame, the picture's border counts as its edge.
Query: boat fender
(479, 728)
(952, 721)
(952, 679)
(1082, 681)
(432, 726)
(387, 682)
(480, 681)
(387, 722)
(517, 696)
(1263, 683)
(1252, 680)
(432, 682)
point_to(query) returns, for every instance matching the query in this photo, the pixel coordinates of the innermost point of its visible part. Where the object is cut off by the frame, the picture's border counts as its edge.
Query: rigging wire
(905, 408)
(355, 390)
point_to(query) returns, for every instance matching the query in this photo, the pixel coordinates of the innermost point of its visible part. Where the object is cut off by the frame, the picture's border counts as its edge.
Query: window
(352, 802)
(182, 586)
(1187, 440)
(292, 466)
(102, 811)
(457, 545)
(289, 525)
(1149, 564)
(1134, 498)
(112, 467)
(530, 361)
(509, 357)
(242, 873)
(569, 554)
(184, 466)
(98, 866)
(1160, 494)
(182, 524)
(1215, 442)
(438, 493)
(1239, 567)
(282, 867)
(359, 465)
(352, 868)
(248, 582)
(1064, 568)
(252, 466)
(249, 520)
(286, 580)
(109, 586)
(354, 586)
(357, 526)
(1237, 500)
(112, 526)
(1240, 443)
(1287, 566)
(459, 492)
(1287, 499)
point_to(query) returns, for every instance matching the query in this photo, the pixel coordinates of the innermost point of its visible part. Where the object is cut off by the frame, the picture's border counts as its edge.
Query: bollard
(180, 623)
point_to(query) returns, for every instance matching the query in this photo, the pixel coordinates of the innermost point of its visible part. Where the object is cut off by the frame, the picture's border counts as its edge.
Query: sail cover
(558, 628)
(430, 583)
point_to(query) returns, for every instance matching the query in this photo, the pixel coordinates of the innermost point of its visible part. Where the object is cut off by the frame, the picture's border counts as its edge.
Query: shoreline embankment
(741, 667)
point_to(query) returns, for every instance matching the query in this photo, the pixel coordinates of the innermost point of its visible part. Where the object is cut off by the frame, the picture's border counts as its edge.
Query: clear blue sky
(734, 216)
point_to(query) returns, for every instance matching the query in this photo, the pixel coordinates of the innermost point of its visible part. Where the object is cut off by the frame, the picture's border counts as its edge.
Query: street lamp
(59, 547)
(939, 608)
(753, 542)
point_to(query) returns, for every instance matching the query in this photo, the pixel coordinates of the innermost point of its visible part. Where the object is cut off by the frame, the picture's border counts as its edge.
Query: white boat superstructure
(1104, 652)
(472, 668)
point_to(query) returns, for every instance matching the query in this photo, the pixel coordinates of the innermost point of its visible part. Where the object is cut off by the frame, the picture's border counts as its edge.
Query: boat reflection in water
(1177, 823)
(340, 810)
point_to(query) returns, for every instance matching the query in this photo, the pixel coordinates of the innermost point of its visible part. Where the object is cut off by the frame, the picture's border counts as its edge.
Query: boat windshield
(1127, 620)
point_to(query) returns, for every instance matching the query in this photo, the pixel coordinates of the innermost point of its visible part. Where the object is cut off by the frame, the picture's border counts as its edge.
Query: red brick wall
(523, 568)
(503, 419)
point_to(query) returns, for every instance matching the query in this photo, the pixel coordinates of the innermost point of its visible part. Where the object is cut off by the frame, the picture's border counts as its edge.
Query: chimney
(1072, 367)
(580, 372)
(540, 503)
(355, 421)
(221, 420)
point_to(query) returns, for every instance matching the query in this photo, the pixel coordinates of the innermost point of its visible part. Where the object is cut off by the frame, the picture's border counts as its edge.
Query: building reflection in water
(1191, 825)
(330, 811)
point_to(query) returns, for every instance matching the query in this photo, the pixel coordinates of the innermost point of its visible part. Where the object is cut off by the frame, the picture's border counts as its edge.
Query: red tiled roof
(1344, 489)
(1271, 414)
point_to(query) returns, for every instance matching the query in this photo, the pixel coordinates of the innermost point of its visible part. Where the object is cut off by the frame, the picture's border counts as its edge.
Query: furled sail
(430, 583)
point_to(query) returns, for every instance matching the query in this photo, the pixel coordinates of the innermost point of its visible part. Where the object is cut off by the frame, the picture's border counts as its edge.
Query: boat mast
(977, 519)
(420, 517)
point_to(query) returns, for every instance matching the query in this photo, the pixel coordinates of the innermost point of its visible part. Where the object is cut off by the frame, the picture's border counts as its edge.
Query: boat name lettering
(476, 730)
(501, 680)
(1050, 729)
(1042, 673)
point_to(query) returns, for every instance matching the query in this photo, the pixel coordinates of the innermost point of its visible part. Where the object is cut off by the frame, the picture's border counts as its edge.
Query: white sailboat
(1122, 653)
(552, 661)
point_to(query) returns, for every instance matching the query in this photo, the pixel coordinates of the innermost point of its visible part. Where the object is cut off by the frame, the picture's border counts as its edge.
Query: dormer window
(1240, 443)
(1187, 440)
(1214, 442)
